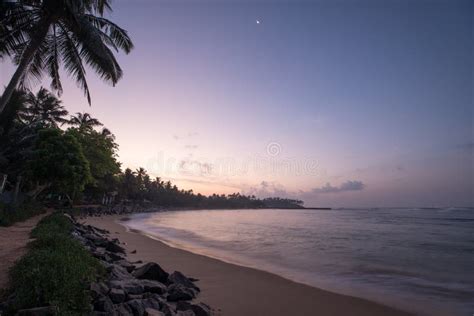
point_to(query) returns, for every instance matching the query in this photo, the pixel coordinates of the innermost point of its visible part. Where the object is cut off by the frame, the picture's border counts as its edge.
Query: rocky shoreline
(131, 288)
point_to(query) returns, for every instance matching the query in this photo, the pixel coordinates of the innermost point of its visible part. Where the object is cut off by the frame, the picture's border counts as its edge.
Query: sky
(338, 103)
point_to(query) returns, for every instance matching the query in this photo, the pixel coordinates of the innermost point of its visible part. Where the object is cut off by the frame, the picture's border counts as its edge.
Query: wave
(412, 258)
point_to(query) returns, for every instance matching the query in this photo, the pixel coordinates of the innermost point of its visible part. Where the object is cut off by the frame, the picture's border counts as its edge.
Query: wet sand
(233, 290)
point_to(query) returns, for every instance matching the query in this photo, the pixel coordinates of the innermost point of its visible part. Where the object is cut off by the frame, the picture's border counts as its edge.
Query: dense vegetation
(10, 214)
(48, 155)
(56, 270)
(39, 159)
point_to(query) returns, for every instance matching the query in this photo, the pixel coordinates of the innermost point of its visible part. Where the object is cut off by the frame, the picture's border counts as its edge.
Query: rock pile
(135, 290)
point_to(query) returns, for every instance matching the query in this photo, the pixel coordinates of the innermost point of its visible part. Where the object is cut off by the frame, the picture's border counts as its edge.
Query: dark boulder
(115, 256)
(200, 309)
(76, 235)
(179, 278)
(122, 310)
(118, 272)
(130, 286)
(178, 292)
(117, 295)
(151, 271)
(137, 307)
(151, 303)
(183, 306)
(98, 252)
(153, 286)
(127, 265)
(153, 312)
(98, 289)
(134, 297)
(168, 310)
(103, 304)
(160, 299)
(113, 247)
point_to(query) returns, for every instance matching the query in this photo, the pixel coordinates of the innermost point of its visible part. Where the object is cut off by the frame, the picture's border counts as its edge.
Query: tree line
(47, 154)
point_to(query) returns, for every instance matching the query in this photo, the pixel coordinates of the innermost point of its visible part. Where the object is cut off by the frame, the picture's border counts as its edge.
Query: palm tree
(107, 134)
(44, 108)
(41, 34)
(140, 175)
(12, 116)
(84, 121)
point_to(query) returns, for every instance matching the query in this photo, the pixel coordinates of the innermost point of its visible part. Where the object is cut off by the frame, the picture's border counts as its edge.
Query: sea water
(420, 260)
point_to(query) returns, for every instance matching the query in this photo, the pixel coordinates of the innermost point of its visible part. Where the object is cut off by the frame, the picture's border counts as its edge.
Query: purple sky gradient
(340, 103)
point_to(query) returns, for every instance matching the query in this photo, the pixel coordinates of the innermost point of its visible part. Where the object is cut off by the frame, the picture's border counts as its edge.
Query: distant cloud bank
(267, 189)
(353, 185)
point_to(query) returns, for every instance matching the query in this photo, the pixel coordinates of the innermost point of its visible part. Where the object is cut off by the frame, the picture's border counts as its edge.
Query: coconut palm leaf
(43, 35)
(84, 121)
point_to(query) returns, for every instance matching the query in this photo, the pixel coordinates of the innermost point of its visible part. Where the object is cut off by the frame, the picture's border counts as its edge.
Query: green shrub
(54, 224)
(56, 270)
(10, 214)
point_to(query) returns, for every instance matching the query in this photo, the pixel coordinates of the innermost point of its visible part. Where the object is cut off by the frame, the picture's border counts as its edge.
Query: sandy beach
(235, 290)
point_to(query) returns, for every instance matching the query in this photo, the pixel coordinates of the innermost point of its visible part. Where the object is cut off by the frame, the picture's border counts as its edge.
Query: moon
(258, 21)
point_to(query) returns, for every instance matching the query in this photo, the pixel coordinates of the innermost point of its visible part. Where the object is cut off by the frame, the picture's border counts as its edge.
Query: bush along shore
(11, 214)
(75, 269)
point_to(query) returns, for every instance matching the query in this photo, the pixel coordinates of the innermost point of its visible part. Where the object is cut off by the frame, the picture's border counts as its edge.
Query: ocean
(421, 260)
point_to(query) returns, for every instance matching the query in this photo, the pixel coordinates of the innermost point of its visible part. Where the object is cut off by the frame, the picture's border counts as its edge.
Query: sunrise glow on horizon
(341, 107)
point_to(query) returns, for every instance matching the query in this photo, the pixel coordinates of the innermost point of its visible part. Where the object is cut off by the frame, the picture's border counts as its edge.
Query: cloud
(191, 147)
(207, 181)
(189, 166)
(184, 136)
(349, 185)
(384, 169)
(266, 189)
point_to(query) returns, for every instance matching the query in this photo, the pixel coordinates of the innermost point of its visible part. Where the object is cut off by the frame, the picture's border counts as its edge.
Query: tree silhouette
(43, 107)
(15, 112)
(84, 121)
(41, 35)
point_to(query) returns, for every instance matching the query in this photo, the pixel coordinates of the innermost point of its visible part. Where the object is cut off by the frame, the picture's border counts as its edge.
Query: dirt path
(13, 240)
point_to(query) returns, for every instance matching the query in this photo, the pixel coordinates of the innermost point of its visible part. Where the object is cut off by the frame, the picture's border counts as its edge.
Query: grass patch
(10, 214)
(55, 224)
(56, 271)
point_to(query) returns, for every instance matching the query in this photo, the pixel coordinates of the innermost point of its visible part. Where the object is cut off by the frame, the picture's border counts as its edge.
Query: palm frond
(72, 60)
(52, 62)
(34, 71)
(118, 36)
(72, 33)
(15, 28)
(95, 53)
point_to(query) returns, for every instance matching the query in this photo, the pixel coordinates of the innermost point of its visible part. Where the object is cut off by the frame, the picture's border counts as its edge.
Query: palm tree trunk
(25, 61)
(17, 189)
(3, 182)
